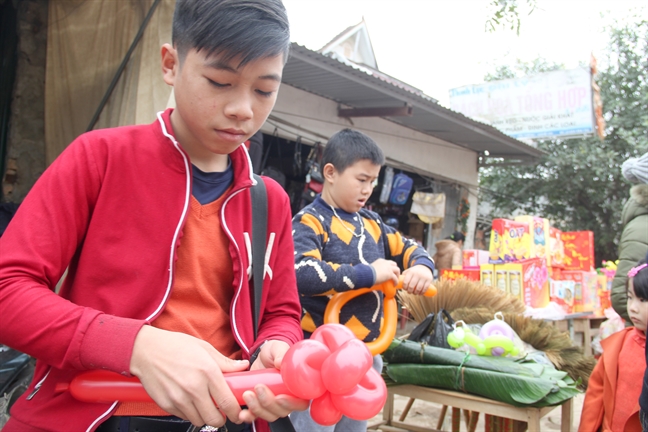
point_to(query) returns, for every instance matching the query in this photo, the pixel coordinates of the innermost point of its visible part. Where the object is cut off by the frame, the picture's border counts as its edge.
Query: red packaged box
(579, 250)
(450, 274)
(473, 258)
(562, 293)
(585, 289)
(555, 273)
(556, 248)
(529, 281)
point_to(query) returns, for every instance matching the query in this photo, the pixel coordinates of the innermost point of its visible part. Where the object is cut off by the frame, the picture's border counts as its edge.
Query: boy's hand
(385, 270)
(417, 279)
(184, 376)
(271, 355)
(262, 403)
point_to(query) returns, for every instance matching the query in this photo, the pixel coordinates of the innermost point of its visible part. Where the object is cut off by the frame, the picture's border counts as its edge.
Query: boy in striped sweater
(340, 246)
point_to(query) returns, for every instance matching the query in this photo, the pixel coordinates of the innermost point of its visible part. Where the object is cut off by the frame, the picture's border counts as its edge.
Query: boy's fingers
(260, 403)
(407, 280)
(222, 401)
(292, 403)
(186, 411)
(211, 416)
(228, 365)
(421, 286)
(264, 404)
(395, 278)
(412, 284)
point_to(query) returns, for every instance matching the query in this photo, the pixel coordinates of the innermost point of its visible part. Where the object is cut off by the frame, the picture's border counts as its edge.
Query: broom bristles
(460, 293)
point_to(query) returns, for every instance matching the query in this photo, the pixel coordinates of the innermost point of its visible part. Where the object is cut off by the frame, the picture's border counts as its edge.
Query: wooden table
(585, 323)
(472, 403)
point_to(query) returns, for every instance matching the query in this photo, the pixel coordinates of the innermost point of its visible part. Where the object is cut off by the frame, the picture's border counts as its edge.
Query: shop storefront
(432, 149)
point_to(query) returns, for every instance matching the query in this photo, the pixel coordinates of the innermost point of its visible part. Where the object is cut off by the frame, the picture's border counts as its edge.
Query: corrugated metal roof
(362, 87)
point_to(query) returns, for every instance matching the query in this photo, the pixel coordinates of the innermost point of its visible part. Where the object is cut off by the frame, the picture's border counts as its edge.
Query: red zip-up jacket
(112, 207)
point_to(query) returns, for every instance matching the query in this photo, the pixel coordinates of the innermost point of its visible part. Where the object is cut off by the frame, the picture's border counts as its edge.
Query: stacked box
(510, 241)
(452, 274)
(555, 273)
(556, 248)
(515, 282)
(585, 289)
(579, 250)
(539, 230)
(562, 293)
(501, 278)
(474, 258)
(529, 281)
(487, 274)
(603, 289)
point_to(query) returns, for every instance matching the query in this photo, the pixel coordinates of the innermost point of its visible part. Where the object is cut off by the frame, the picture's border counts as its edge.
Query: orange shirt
(202, 292)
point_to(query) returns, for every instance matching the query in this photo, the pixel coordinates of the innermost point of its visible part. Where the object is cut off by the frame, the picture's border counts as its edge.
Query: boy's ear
(329, 172)
(170, 63)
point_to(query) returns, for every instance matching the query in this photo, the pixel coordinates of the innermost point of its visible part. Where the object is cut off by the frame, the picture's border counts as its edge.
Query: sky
(436, 45)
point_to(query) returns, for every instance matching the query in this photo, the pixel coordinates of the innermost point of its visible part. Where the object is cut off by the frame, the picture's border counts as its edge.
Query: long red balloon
(332, 368)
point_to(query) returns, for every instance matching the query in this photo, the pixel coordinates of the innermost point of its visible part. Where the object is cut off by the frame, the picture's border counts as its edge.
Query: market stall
(508, 398)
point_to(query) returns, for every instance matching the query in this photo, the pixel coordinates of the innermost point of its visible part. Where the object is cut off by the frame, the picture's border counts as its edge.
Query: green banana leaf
(516, 382)
(404, 351)
(513, 389)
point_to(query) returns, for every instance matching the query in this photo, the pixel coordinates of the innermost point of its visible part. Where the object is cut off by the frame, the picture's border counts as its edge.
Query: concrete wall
(25, 160)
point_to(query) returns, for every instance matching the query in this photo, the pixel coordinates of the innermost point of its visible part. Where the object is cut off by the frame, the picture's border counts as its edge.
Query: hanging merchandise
(387, 185)
(274, 172)
(298, 164)
(400, 189)
(429, 207)
(314, 177)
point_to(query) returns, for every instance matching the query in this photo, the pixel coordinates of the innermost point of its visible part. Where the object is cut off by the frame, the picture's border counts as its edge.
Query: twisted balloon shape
(390, 321)
(332, 368)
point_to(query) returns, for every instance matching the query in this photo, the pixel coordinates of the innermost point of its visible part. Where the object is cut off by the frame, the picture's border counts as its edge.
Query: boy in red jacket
(153, 223)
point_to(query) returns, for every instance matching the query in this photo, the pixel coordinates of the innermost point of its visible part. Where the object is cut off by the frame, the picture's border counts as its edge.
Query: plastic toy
(497, 327)
(495, 341)
(332, 368)
(388, 329)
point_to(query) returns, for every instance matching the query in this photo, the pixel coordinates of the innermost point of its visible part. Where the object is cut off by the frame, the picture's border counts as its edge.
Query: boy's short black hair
(349, 146)
(249, 29)
(640, 281)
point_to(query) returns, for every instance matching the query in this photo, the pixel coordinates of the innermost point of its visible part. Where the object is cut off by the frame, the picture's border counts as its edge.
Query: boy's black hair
(640, 281)
(349, 146)
(249, 29)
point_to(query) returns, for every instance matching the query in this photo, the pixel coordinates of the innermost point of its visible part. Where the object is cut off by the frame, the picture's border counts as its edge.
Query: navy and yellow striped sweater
(329, 259)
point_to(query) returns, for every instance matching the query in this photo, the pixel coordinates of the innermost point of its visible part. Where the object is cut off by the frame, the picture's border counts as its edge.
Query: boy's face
(637, 309)
(349, 190)
(218, 105)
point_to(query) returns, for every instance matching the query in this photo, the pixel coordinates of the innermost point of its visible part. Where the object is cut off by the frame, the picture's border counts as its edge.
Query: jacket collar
(241, 162)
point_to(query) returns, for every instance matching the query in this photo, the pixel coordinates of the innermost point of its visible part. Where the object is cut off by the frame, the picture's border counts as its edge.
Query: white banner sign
(550, 104)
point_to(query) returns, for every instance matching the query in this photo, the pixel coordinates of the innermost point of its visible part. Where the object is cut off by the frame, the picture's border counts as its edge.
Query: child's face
(350, 189)
(637, 309)
(219, 106)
